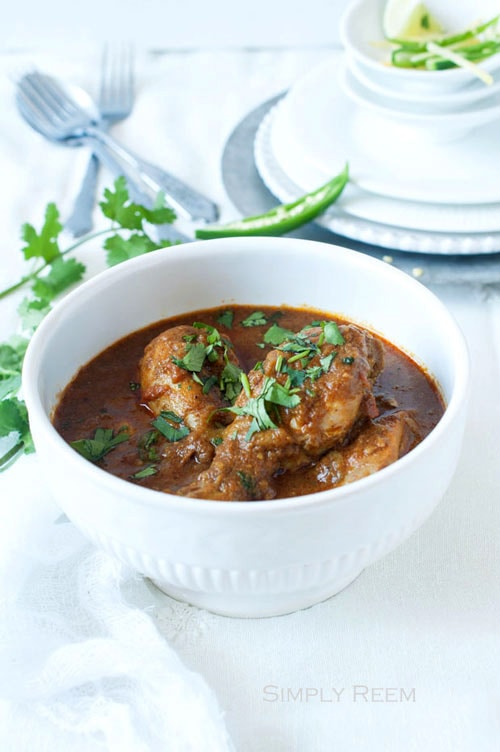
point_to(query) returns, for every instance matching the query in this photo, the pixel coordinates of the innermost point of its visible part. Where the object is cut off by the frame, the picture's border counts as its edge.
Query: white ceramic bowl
(471, 94)
(361, 34)
(437, 124)
(248, 558)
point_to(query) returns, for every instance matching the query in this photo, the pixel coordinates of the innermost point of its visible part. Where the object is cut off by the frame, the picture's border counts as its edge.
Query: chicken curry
(242, 404)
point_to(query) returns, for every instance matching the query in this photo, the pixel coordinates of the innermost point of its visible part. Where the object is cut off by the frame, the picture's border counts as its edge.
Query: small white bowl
(362, 36)
(438, 124)
(248, 558)
(474, 93)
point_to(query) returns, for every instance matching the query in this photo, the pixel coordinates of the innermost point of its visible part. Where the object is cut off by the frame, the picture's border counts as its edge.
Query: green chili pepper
(283, 218)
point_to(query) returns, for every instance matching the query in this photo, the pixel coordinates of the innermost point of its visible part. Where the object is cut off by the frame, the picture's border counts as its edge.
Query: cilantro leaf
(226, 319)
(209, 383)
(277, 394)
(44, 244)
(129, 215)
(327, 360)
(160, 215)
(63, 273)
(257, 318)
(10, 361)
(272, 393)
(147, 446)
(230, 381)
(14, 423)
(20, 345)
(275, 335)
(32, 312)
(332, 333)
(297, 376)
(146, 472)
(14, 419)
(10, 385)
(314, 372)
(170, 415)
(121, 249)
(103, 442)
(170, 432)
(193, 359)
(248, 483)
(117, 206)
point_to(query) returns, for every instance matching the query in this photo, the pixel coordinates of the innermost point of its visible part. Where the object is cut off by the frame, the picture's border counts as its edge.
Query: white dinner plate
(371, 219)
(318, 128)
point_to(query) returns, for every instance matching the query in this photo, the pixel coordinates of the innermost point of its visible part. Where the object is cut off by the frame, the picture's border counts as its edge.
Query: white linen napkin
(83, 669)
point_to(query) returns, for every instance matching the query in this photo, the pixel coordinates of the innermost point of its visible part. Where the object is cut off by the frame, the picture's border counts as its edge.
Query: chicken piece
(333, 392)
(173, 378)
(380, 443)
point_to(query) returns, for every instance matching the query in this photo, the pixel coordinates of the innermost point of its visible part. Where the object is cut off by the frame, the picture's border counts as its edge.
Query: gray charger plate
(250, 196)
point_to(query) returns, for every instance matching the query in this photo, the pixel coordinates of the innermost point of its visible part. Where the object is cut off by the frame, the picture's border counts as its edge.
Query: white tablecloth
(408, 656)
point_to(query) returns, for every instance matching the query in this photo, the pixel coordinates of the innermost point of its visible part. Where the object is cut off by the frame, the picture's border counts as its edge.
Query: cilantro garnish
(129, 215)
(103, 442)
(193, 359)
(304, 350)
(32, 312)
(196, 352)
(257, 318)
(147, 446)
(297, 376)
(52, 274)
(11, 361)
(216, 441)
(275, 335)
(327, 361)
(13, 414)
(163, 423)
(332, 333)
(209, 383)
(45, 243)
(146, 472)
(272, 394)
(63, 273)
(14, 422)
(226, 319)
(248, 483)
(214, 340)
(230, 380)
(121, 249)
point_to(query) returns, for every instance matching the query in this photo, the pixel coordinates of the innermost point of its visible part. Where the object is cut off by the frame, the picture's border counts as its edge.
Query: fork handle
(184, 199)
(79, 221)
(136, 190)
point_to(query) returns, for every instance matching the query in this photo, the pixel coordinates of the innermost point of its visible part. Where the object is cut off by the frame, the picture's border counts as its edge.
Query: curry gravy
(105, 393)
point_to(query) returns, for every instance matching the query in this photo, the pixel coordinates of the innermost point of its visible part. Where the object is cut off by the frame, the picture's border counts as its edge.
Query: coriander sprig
(51, 274)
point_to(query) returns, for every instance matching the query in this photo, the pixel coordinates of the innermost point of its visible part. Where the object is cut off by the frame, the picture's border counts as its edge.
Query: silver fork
(66, 118)
(116, 98)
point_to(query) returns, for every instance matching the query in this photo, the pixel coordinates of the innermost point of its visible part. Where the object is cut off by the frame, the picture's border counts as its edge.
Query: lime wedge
(409, 19)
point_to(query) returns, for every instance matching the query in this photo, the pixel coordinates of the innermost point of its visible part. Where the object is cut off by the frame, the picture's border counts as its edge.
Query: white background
(166, 24)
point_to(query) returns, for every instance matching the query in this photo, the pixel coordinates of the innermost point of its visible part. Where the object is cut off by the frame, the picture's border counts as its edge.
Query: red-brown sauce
(105, 393)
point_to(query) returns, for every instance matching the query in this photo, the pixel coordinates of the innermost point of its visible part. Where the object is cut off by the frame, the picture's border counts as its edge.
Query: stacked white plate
(421, 180)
